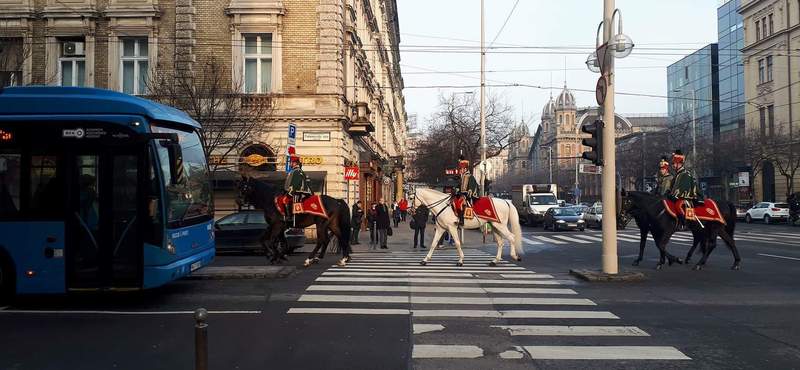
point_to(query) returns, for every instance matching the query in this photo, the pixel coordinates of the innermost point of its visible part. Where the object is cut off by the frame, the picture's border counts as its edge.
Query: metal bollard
(201, 340)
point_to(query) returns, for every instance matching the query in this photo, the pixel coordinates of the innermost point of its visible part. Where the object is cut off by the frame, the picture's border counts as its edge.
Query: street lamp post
(619, 46)
(483, 97)
(550, 157)
(694, 129)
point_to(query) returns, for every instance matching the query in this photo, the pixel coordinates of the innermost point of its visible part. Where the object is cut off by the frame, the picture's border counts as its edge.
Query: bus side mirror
(175, 154)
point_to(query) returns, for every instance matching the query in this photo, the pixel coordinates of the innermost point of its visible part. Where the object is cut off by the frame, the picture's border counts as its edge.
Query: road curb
(594, 276)
(243, 273)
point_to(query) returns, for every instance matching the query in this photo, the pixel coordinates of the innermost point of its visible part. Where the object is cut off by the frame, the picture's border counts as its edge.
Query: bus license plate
(195, 266)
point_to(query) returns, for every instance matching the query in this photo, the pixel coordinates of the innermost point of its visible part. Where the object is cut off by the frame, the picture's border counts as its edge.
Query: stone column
(184, 38)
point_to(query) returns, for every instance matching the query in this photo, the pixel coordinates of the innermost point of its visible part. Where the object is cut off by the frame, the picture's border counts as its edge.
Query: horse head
(244, 192)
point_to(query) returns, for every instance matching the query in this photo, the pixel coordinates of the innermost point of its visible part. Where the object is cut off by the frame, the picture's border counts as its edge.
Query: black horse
(794, 208)
(643, 223)
(662, 225)
(262, 196)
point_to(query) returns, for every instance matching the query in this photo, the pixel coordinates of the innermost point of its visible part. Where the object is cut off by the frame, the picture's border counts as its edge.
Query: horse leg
(436, 235)
(313, 254)
(642, 243)
(504, 231)
(328, 237)
(732, 245)
(268, 242)
(499, 239)
(457, 240)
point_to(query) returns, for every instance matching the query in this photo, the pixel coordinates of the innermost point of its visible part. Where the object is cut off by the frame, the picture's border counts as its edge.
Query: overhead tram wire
(504, 24)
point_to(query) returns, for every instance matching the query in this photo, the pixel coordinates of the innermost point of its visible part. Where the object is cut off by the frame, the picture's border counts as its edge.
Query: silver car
(594, 217)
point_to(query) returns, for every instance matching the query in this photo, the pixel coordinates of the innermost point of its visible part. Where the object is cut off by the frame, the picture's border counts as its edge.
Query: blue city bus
(99, 190)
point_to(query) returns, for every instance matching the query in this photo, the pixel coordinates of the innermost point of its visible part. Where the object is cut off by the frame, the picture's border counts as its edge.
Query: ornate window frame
(256, 18)
(137, 19)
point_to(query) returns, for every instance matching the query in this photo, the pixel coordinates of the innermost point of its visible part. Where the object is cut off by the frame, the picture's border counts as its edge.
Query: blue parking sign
(703, 186)
(288, 165)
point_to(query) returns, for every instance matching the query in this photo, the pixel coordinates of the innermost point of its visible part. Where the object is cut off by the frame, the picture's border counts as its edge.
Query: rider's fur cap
(463, 162)
(677, 156)
(292, 156)
(664, 163)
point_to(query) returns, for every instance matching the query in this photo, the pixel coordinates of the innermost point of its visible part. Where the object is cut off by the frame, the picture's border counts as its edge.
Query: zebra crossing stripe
(605, 353)
(445, 300)
(433, 273)
(788, 235)
(438, 289)
(588, 237)
(574, 331)
(493, 270)
(433, 280)
(355, 263)
(446, 351)
(526, 276)
(572, 239)
(350, 311)
(517, 314)
(548, 240)
(531, 242)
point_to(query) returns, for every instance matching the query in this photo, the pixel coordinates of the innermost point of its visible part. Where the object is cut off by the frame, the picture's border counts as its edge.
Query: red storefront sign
(351, 173)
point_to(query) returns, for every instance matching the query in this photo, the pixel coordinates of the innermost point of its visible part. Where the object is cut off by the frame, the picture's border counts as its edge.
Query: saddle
(311, 205)
(708, 212)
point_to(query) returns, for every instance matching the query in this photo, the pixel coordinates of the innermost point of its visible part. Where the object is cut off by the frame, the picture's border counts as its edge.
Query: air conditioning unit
(72, 48)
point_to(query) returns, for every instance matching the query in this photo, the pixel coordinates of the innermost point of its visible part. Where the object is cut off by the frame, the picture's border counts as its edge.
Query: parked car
(580, 210)
(240, 231)
(594, 217)
(768, 212)
(741, 210)
(563, 218)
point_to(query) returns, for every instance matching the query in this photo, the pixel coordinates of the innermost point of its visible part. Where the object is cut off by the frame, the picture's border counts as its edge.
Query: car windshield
(599, 211)
(543, 200)
(781, 205)
(580, 209)
(564, 212)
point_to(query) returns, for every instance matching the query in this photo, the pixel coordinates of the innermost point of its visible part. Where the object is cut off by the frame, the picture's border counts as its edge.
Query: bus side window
(9, 186)
(48, 197)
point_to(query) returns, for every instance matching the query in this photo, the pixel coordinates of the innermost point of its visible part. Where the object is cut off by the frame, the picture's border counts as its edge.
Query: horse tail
(344, 227)
(731, 221)
(513, 218)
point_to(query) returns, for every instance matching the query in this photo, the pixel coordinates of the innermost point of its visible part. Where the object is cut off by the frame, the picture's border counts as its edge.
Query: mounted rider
(664, 179)
(683, 187)
(466, 191)
(297, 185)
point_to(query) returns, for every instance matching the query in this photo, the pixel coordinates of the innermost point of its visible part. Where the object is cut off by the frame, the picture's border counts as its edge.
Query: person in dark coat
(371, 215)
(358, 217)
(396, 214)
(420, 218)
(382, 222)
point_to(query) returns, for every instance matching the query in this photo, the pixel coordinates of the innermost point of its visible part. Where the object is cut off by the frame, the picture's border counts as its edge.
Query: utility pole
(610, 259)
(483, 98)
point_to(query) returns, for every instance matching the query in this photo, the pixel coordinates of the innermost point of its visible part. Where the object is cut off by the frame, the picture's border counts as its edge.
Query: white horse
(439, 203)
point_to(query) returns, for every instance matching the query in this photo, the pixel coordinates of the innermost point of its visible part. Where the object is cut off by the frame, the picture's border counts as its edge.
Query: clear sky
(663, 30)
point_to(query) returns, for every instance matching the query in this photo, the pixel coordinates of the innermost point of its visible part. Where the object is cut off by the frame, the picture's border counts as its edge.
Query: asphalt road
(717, 317)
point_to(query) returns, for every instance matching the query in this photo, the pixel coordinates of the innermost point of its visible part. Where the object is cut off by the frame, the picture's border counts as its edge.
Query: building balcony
(251, 101)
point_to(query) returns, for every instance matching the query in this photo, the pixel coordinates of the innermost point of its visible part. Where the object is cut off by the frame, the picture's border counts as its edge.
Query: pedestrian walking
(396, 214)
(358, 217)
(420, 220)
(382, 222)
(371, 217)
(403, 209)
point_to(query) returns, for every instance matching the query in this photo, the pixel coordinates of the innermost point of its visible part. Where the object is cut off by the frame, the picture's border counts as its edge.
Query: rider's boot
(461, 218)
(288, 218)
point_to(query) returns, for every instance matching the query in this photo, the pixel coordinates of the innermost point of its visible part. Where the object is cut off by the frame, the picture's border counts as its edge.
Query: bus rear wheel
(6, 278)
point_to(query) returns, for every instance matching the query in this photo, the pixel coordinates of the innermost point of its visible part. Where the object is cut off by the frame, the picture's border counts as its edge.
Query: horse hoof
(635, 263)
(679, 261)
(493, 263)
(670, 262)
(735, 267)
(285, 257)
(341, 264)
(459, 264)
(688, 260)
(697, 267)
(306, 264)
(315, 261)
(658, 267)
(518, 258)
(347, 259)
(423, 263)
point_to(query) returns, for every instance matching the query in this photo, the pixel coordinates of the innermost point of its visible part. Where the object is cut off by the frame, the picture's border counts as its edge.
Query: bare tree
(454, 129)
(230, 118)
(783, 152)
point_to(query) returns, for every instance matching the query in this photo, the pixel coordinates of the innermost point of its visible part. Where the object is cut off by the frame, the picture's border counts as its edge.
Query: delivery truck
(533, 200)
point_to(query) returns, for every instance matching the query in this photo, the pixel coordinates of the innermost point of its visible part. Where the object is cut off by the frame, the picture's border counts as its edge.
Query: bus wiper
(183, 218)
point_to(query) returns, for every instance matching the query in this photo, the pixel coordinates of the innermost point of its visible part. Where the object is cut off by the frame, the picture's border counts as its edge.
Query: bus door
(104, 238)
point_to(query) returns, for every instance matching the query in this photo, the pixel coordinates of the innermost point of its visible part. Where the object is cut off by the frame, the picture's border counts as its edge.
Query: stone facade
(771, 27)
(318, 61)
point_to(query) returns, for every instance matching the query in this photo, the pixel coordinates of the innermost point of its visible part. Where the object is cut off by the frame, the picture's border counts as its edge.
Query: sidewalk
(403, 240)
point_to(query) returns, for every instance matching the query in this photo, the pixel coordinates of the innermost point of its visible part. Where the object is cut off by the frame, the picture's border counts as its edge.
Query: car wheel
(748, 219)
(767, 219)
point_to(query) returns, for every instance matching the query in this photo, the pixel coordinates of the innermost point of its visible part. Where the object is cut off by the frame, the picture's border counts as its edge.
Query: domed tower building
(521, 140)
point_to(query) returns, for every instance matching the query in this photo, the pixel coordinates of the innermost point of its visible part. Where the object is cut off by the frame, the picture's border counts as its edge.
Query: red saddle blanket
(311, 205)
(708, 212)
(484, 208)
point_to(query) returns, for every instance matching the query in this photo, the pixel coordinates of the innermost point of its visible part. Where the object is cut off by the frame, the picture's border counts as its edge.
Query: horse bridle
(434, 204)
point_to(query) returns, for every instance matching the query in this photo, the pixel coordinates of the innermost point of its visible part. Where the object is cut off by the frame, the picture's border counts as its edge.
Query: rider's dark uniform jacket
(663, 184)
(297, 183)
(468, 186)
(684, 186)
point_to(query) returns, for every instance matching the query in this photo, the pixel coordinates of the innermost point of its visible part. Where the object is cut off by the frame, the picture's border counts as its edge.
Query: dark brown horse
(262, 196)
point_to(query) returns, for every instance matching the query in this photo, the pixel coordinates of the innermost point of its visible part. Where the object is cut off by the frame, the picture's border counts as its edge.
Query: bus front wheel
(6, 278)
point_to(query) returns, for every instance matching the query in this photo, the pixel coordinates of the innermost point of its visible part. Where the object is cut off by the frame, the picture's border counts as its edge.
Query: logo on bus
(77, 133)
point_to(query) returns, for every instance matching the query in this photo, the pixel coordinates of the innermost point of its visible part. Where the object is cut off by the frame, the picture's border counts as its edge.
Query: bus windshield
(191, 198)
(543, 200)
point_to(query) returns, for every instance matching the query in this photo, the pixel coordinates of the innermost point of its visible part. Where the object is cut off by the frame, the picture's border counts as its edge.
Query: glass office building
(731, 70)
(696, 72)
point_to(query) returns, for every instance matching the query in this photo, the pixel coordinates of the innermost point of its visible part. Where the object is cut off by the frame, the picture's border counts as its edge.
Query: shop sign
(255, 160)
(351, 173)
(217, 159)
(744, 179)
(316, 136)
(311, 160)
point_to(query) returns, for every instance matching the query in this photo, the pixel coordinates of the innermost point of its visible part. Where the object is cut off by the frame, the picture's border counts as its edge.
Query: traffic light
(595, 142)
(488, 185)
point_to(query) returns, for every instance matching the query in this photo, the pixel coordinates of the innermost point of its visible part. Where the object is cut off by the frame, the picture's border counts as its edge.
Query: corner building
(329, 66)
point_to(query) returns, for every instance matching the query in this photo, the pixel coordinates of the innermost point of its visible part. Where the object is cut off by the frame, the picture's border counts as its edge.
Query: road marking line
(353, 298)
(571, 239)
(446, 351)
(777, 256)
(531, 242)
(573, 331)
(526, 276)
(788, 235)
(588, 237)
(431, 264)
(427, 328)
(437, 289)
(522, 275)
(416, 260)
(435, 280)
(503, 301)
(605, 353)
(494, 270)
(77, 312)
(513, 314)
(513, 354)
(548, 240)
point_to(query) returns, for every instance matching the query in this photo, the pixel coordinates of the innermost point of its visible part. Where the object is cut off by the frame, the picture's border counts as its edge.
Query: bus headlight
(170, 246)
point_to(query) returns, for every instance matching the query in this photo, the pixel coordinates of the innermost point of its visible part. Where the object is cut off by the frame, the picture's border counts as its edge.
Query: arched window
(255, 157)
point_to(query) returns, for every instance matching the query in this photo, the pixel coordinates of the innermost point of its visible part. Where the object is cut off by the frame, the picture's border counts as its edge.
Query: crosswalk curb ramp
(478, 313)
